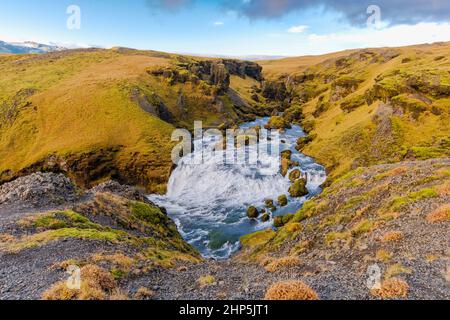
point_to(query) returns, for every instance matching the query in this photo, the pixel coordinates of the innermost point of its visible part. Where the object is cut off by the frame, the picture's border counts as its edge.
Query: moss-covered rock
(298, 188)
(282, 200)
(295, 175)
(252, 212)
(265, 217)
(277, 122)
(286, 154)
(269, 203)
(281, 221)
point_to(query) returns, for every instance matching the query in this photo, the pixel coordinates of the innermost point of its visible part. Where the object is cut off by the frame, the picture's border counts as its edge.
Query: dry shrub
(443, 190)
(397, 171)
(96, 284)
(383, 255)
(392, 236)
(118, 259)
(273, 265)
(441, 214)
(395, 270)
(4, 237)
(144, 293)
(391, 288)
(293, 227)
(66, 264)
(118, 295)
(205, 281)
(290, 290)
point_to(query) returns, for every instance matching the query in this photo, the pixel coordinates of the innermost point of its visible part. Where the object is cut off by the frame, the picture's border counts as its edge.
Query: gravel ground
(335, 272)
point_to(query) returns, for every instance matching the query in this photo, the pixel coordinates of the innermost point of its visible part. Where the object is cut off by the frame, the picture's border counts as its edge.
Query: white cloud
(219, 23)
(297, 29)
(400, 35)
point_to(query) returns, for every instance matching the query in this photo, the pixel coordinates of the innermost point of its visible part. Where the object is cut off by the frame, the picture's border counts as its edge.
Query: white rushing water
(208, 201)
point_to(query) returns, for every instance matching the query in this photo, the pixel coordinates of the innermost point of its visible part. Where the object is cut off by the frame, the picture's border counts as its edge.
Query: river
(209, 201)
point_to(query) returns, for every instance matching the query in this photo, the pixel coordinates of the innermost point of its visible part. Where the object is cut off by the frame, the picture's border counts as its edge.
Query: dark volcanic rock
(39, 190)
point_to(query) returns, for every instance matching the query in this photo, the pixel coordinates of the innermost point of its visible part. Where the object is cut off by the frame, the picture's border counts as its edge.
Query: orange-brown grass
(117, 259)
(443, 190)
(274, 265)
(383, 255)
(392, 236)
(143, 293)
(391, 288)
(118, 295)
(96, 284)
(441, 214)
(4, 237)
(290, 290)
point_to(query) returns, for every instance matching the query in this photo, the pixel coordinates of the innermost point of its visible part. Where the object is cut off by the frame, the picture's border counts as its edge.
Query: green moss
(336, 219)
(45, 237)
(362, 227)
(409, 104)
(147, 213)
(59, 220)
(353, 202)
(424, 153)
(353, 103)
(398, 202)
(277, 122)
(333, 236)
(258, 238)
(118, 274)
(298, 188)
(307, 211)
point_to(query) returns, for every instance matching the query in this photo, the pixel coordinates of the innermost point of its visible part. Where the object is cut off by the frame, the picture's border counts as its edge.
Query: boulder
(298, 188)
(295, 175)
(282, 200)
(252, 212)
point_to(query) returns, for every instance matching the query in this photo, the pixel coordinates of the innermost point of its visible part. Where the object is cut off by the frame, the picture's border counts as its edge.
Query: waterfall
(208, 201)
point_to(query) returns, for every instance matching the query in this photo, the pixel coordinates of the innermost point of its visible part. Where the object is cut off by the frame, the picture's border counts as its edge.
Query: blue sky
(243, 27)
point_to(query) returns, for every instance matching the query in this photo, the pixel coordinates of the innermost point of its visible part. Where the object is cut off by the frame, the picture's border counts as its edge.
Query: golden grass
(144, 293)
(290, 290)
(274, 264)
(392, 236)
(4, 237)
(396, 270)
(383, 255)
(206, 280)
(392, 288)
(96, 284)
(119, 295)
(118, 259)
(441, 214)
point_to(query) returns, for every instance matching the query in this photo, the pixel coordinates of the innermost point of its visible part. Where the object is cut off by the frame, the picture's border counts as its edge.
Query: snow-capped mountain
(27, 47)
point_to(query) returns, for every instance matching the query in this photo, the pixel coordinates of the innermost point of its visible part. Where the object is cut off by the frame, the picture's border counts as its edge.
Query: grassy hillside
(365, 107)
(96, 114)
(379, 120)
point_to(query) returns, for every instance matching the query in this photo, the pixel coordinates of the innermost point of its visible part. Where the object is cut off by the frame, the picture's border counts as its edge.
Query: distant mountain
(27, 47)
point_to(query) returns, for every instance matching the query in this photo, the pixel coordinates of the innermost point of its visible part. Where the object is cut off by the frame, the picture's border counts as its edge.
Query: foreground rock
(39, 190)
(113, 229)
